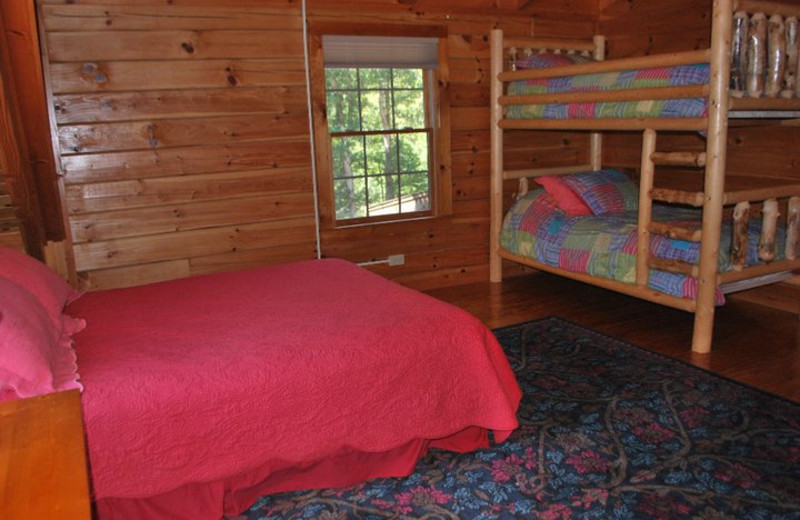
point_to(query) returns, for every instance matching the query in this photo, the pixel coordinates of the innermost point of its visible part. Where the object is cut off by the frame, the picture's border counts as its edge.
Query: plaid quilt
(625, 80)
(605, 246)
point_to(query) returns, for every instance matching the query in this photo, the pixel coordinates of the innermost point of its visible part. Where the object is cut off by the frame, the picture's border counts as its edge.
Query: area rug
(607, 431)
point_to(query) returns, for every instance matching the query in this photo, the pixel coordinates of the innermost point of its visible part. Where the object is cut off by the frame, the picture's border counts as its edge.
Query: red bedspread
(229, 385)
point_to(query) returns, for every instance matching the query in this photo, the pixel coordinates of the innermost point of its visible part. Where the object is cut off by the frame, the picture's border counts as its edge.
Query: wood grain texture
(739, 324)
(42, 458)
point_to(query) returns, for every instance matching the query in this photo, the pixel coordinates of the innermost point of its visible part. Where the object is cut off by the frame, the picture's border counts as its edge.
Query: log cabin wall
(10, 231)
(183, 134)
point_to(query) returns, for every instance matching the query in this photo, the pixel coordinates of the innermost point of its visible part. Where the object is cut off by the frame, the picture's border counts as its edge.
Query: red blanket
(229, 385)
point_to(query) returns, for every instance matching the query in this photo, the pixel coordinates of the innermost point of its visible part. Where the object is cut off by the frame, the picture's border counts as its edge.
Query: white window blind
(397, 52)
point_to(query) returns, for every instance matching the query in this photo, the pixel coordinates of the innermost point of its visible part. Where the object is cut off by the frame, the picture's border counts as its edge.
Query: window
(381, 140)
(382, 129)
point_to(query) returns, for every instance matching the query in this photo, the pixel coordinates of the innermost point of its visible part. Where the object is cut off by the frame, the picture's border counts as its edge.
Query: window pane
(341, 79)
(383, 198)
(381, 154)
(408, 78)
(348, 156)
(415, 189)
(414, 153)
(350, 198)
(343, 111)
(376, 110)
(375, 78)
(409, 109)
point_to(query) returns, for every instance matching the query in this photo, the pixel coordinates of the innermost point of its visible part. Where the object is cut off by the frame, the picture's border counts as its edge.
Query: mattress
(202, 394)
(626, 80)
(605, 246)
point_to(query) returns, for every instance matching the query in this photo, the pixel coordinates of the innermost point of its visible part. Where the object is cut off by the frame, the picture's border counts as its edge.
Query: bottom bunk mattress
(204, 393)
(605, 245)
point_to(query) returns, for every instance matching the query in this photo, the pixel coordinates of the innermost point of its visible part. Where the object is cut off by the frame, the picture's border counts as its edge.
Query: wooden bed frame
(713, 199)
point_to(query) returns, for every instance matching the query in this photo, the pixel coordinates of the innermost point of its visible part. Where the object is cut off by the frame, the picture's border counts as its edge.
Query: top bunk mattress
(682, 75)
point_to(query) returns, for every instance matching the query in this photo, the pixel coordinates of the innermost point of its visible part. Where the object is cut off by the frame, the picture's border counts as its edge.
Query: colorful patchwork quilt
(645, 78)
(605, 246)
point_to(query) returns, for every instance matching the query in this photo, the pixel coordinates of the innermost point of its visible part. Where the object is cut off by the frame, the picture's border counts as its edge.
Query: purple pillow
(36, 355)
(605, 191)
(39, 280)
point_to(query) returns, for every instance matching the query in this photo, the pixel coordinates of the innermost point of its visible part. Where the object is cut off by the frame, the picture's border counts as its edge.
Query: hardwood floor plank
(755, 345)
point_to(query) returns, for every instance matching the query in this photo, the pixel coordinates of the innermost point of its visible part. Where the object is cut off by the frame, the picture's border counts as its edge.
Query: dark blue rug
(607, 431)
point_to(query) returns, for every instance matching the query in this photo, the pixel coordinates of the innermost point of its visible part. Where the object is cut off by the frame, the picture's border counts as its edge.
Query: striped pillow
(605, 191)
(546, 60)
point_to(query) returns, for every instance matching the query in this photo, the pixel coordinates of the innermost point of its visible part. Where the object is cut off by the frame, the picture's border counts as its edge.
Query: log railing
(742, 212)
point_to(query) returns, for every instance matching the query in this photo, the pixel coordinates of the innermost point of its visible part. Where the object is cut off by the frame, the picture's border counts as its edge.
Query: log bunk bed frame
(722, 104)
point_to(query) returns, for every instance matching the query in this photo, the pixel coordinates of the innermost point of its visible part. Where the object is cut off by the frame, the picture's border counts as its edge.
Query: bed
(737, 238)
(201, 394)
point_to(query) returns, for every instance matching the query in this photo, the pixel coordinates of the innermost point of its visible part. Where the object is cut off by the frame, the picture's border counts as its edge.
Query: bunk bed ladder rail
(711, 200)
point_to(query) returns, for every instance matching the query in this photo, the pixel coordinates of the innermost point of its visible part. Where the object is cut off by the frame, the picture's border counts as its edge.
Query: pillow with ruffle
(565, 198)
(36, 355)
(39, 280)
(546, 60)
(605, 191)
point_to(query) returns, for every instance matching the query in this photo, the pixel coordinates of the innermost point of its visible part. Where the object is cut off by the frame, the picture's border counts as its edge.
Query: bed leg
(703, 330)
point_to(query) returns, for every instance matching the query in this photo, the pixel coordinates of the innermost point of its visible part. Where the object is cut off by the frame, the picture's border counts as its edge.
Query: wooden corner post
(716, 151)
(496, 170)
(596, 138)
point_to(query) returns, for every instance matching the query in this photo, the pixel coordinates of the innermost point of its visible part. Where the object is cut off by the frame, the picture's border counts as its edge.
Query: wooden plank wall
(10, 233)
(183, 134)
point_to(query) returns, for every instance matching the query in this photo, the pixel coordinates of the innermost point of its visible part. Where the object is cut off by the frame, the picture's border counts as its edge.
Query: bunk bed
(749, 72)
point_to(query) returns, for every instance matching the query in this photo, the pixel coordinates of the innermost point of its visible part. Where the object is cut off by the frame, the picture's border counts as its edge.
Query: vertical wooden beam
(21, 44)
(496, 173)
(13, 157)
(769, 224)
(444, 160)
(716, 151)
(741, 223)
(647, 173)
(596, 138)
(793, 229)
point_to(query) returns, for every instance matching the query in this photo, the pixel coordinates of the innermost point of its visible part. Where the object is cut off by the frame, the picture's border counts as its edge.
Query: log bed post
(496, 173)
(645, 207)
(769, 224)
(793, 229)
(596, 138)
(716, 151)
(741, 222)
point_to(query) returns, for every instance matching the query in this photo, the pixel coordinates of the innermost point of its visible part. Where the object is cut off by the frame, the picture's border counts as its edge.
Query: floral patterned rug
(607, 431)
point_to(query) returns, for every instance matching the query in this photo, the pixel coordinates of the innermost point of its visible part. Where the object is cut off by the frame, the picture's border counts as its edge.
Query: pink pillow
(36, 357)
(567, 200)
(39, 280)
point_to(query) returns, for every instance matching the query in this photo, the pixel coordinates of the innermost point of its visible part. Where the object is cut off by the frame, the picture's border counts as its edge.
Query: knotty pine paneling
(184, 138)
(183, 135)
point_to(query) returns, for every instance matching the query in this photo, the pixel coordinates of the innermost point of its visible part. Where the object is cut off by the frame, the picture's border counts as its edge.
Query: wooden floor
(752, 344)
